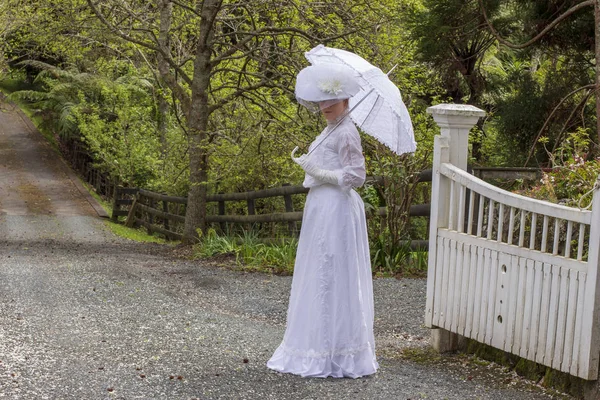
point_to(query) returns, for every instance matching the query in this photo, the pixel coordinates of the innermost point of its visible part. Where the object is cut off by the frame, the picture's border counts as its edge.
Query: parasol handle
(390, 71)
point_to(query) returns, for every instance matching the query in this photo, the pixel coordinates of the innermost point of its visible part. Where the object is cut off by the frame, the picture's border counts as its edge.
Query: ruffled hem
(344, 365)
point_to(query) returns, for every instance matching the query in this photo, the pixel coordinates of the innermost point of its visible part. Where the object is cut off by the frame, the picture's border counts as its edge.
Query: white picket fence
(516, 273)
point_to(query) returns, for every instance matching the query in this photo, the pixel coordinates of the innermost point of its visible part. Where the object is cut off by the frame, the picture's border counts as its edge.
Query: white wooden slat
(511, 226)
(445, 265)
(570, 322)
(471, 212)
(544, 308)
(522, 228)
(519, 251)
(512, 199)
(439, 276)
(536, 310)
(556, 236)
(480, 216)
(458, 282)
(552, 316)
(544, 234)
(477, 330)
(452, 206)
(461, 208)
(580, 242)
(501, 301)
(533, 231)
(568, 239)
(500, 222)
(464, 292)
(491, 314)
(561, 328)
(581, 284)
(483, 334)
(490, 221)
(471, 298)
(520, 311)
(513, 270)
(451, 296)
(529, 283)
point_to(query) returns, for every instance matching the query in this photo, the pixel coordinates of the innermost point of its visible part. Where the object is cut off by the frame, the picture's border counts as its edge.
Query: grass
(278, 256)
(138, 235)
(250, 252)
(135, 234)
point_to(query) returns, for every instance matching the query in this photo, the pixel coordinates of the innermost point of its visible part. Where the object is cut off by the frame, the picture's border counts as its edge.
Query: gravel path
(86, 315)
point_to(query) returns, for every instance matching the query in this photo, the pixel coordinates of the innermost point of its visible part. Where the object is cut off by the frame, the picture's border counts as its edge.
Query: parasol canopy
(377, 108)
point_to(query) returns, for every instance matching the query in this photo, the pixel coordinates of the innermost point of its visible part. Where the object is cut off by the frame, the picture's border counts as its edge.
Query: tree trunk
(166, 13)
(195, 216)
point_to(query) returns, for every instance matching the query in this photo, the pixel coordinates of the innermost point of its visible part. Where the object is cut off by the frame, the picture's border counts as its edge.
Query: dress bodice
(338, 149)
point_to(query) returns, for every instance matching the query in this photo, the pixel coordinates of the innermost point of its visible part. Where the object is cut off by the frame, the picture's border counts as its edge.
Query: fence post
(116, 207)
(455, 122)
(289, 207)
(251, 211)
(166, 210)
(222, 212)
(150, 218)
(590, 346)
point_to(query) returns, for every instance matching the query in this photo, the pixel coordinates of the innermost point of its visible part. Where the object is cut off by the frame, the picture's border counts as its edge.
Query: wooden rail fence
(164, 214)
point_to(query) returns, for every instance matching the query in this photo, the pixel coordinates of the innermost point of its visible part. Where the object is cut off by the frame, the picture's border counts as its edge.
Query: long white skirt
(330, 316)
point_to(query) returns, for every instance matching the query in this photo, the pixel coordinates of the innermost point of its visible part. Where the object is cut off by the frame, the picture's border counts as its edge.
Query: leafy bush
(572, 176)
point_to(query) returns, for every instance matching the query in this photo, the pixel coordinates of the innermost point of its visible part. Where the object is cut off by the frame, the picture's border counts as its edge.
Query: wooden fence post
(251, 211)
(223, 225)
(130, 222)
(150, 217)
(116, 207)
(289, 207)
(166, 210)
(455, 122)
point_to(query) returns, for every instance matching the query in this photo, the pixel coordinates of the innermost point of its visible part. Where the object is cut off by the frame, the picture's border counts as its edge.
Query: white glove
(313, 170)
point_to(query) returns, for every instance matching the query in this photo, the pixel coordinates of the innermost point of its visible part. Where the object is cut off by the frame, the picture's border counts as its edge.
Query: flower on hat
(333, 86)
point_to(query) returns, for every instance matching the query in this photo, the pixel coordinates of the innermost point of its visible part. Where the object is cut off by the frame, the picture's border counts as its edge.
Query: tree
(560, 12)
(214, 53)
(452, 36)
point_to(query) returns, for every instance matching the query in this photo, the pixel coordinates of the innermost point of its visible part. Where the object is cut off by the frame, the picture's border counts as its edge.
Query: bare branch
(234, 95)
(531, 150)
(260, 32)
(131, 39)
(191, 9)
(559, 19)
(581, 104)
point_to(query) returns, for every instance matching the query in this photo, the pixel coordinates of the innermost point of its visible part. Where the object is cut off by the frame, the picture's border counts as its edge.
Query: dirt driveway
(33, 179)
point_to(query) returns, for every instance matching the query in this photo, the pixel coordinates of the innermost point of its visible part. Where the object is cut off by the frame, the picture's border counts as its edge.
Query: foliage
(573, 174)
(249, 252)
(396, 189)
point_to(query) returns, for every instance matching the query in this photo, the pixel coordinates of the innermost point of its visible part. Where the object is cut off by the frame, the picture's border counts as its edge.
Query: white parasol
(377, 108)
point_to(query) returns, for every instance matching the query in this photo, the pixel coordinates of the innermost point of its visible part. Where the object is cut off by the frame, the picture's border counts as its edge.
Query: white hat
(323, 82)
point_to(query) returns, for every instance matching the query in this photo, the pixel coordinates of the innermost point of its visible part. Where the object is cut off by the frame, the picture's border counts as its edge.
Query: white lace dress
(330, 316)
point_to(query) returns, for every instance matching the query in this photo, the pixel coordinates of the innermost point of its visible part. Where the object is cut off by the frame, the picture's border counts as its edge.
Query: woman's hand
(303, 161)
(313, 170)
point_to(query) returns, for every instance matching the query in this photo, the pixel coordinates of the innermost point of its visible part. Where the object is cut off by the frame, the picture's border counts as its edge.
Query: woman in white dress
(330, 316)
